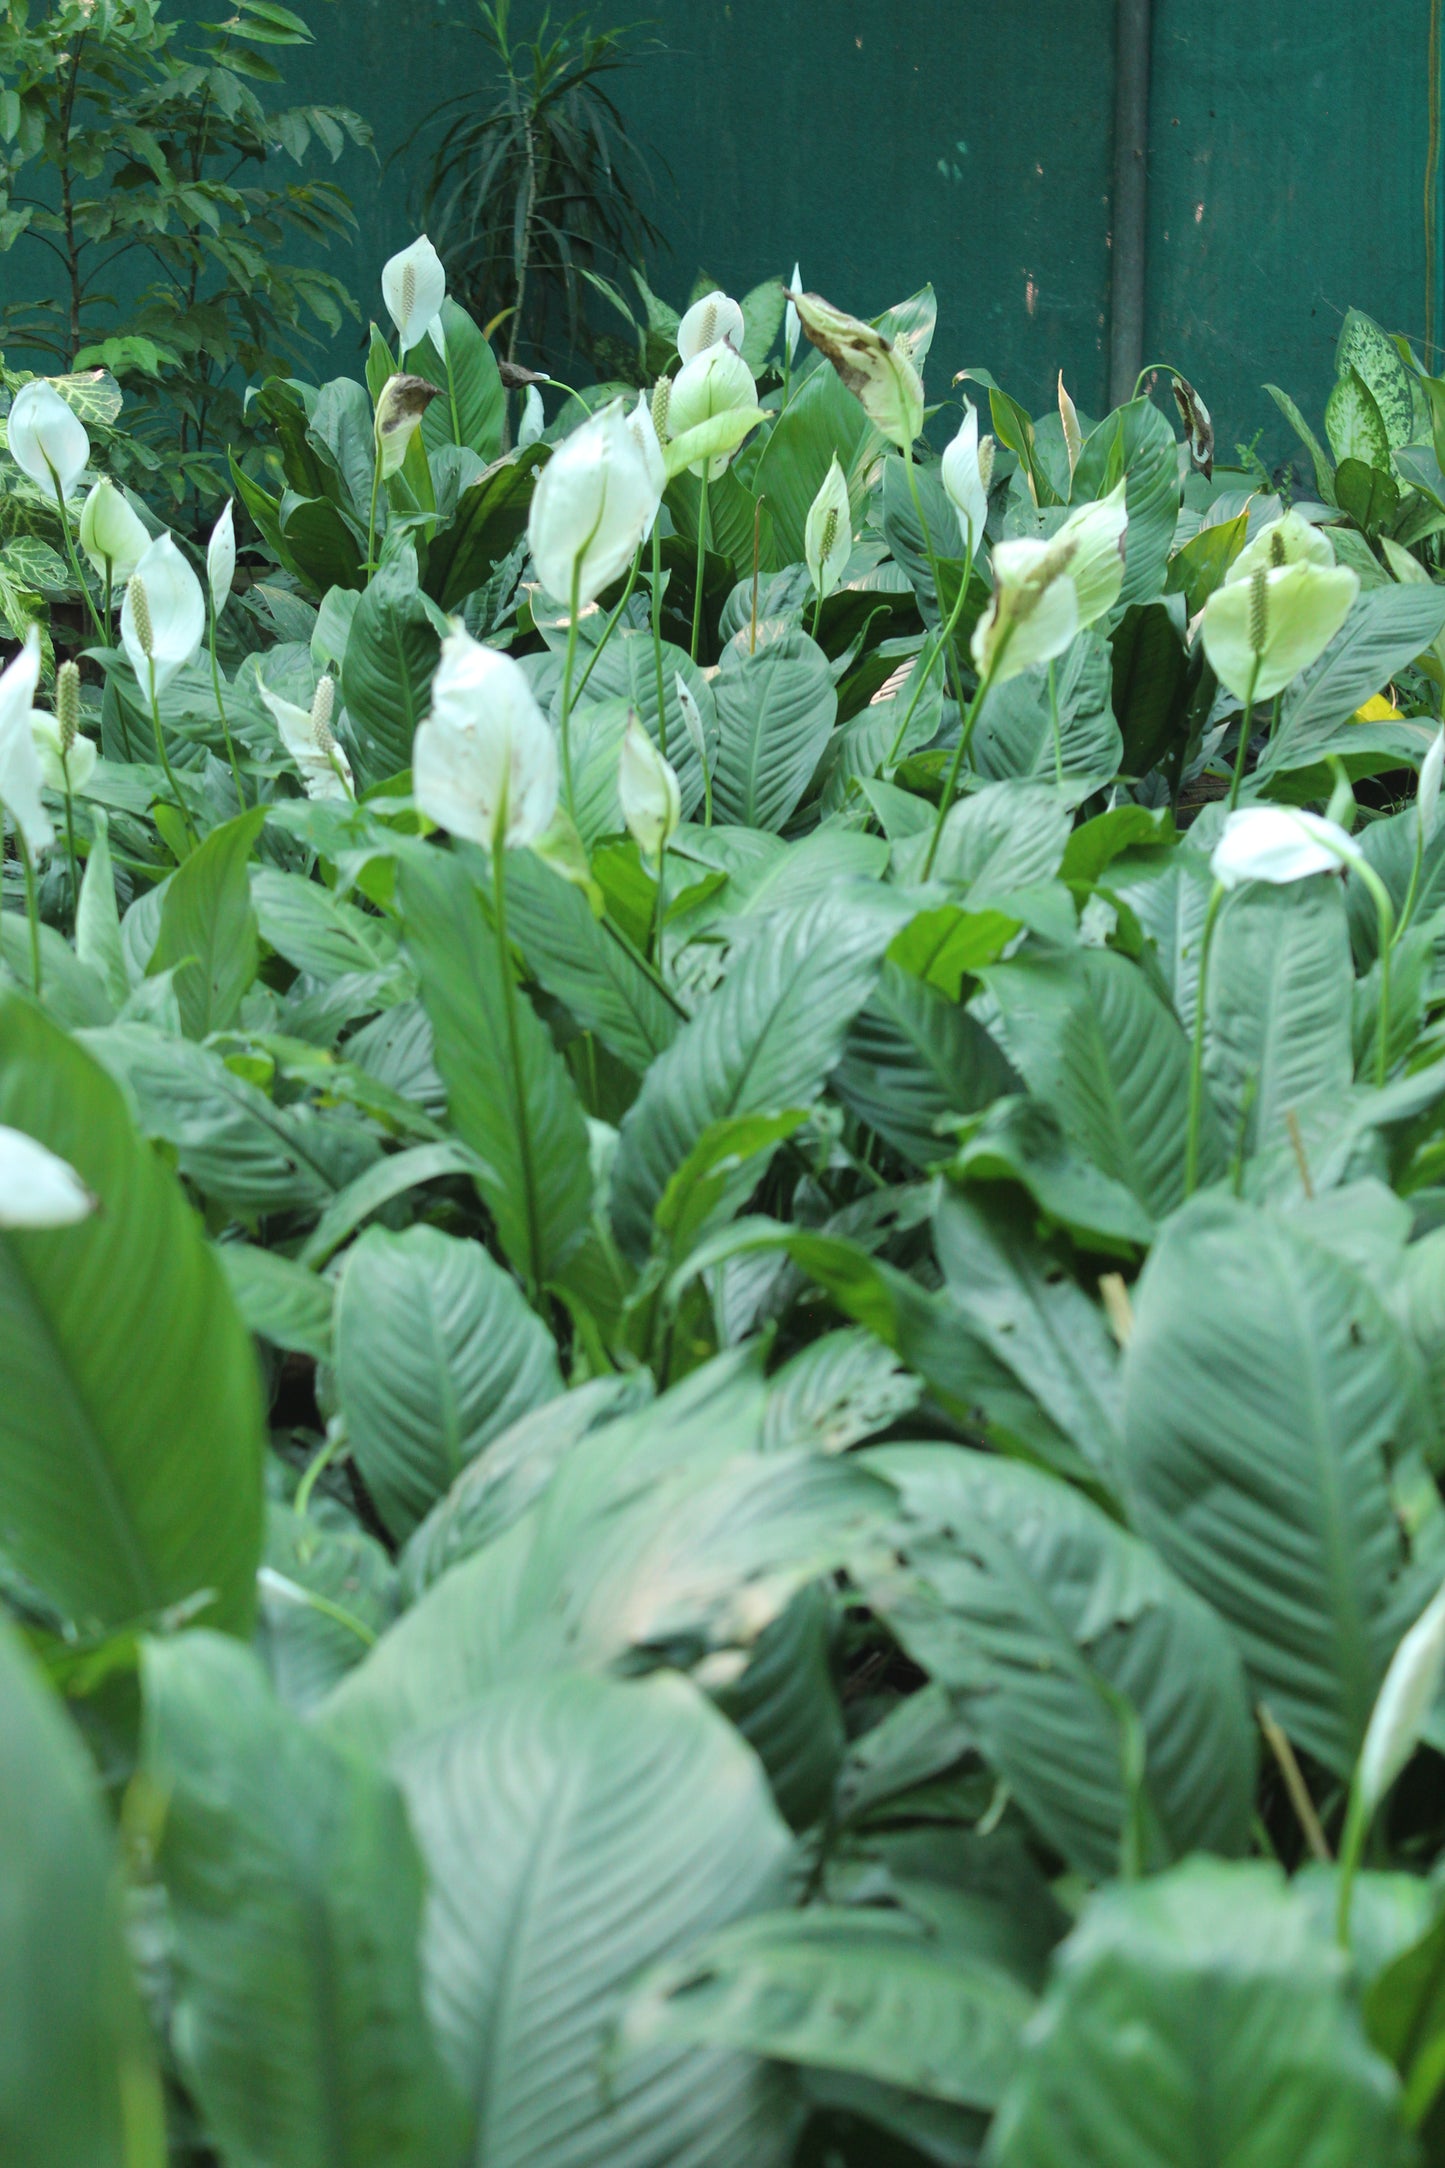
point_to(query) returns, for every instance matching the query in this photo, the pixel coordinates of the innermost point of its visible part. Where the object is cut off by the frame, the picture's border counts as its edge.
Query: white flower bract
(484, 763)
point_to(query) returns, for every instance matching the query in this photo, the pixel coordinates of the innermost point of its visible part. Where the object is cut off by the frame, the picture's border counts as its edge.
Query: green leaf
(1354, 424)
(626, 671)
(1100, 1690)
(386, 676)
(1371, 353)
(765, 1040)
(584, 963)
(1266, 1395)
(861, 1991)
(1405, 2017)
(326, 1593)
(636, 1822)
(1019, 1140)
(279, 1300)
(1151, 674)
(1000, 838)
(1135, 445)
(130, 1428)
(97, 925)
(1200, 2021)
(775, 712)
(913, 1058)
(511, 1097)
(473, 406)
(1097, 1045)
(1015, 734)
(821, 421)
(1384, 632)
(77, 2082)
(436, 1353)
(490, 518)
(208, 933)
(295, 1900)
(1324, 472)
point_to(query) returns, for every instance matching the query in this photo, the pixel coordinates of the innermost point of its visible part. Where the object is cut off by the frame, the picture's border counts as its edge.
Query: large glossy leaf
(1278, 1034)
(386, 676)
(1015, 735)
(130, 1425)
(626, 670)
(775, 714)
(1103, 1693)
(1002, 837)
(822, 422)
(1200, 2020)
(436, 1353)
(509, 1091)
(1136, 445)
(862, 1991)
(913, 1058)
(1266, 1394)
(1385, 631)
(473, 406)
(1094, 1042)
(295, 1899)
(490, 518)
(77, 2081)
(576, 1831)
(765, 1040)
(208, 927)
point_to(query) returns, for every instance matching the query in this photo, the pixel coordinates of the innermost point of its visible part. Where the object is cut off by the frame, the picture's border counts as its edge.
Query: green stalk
(165, 758)
(70, 850)
(85, 595)
(965, 738)
(818, 614)
(514, 1045)
(1352, 1848)
(923, 670)
(1242, 755)
(657, 639)
(1385, 923)
(371, 515)
(932, 556)
(656, 948)
(1196, 1059)
(221, 711)
(1054, 719)
(32, 906)
(611, 625)
(701, 563)
(568, 666)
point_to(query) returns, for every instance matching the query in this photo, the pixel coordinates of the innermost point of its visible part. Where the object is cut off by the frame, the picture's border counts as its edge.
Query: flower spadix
(1288, 540)
(414, 286)
(1260, 632)
(484, 763)
(595, 500)
(163, 617)
(828, 531)
(310, 740)
(707, 323)
(880, 373)
(47, 438)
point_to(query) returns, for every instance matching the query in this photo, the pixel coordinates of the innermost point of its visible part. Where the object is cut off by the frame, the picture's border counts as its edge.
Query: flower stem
(165, 758)
(817, 619)
(923, 671)
(657, 639)
(658, 908)
(1352, 1846)
(1054, 719)
(701, 564)
(568, 666)
(85, 594)
(514, 1047)
(1196, 1058)
(32, 906)
(1246, 724)
(221, 711)
(370, 566)
(70, 850)
(1385, 922)
(965, 737)
(932, 555)
(611, 625)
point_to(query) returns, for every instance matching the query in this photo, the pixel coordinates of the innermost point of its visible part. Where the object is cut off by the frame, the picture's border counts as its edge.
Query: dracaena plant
(148, 220)
(720, 1275)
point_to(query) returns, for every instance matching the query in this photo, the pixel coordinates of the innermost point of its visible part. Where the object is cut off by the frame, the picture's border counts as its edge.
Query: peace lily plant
(721, 1113)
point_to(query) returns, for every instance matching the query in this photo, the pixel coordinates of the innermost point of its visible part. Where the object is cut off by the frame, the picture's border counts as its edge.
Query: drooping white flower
(1288, 540)
(37, 1187)
(163, 617)
(715, 382)
(1397, 1723)
(707, 323)
(111, 533)
(1279, 844)
(400, 405)
(307, 736)
(594, 502)
(1427, 797)
(414, 286)
(644, 434)
(647, 790)
(1259, 633)
(71, 768)
(47, 438)
(1034, 613)
(534, 418)
(484, 763)
(21, 776)
(221, 558)
(880, 374)
(828, 532)
(1095, 534)
(966, 471)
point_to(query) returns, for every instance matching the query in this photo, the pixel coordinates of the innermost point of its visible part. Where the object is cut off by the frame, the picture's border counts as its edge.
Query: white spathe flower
(1288, 540)
(111, 534)
(644, 435)
(828, 532)
(534, 418)
(400, 405)
(1427, 797)
(47, 438)
(21, 776)
(1279, 844)
(70, 771)
(484, 763)
(707, 323)
(792, 329)
(1397, 1721)
(163, 617)
(594, 502)
(881, 376)
(717, 381)
(647, 790)
(414, 286)
(1095, 536)
(307, 736)
(1034, 613)
(1069, 423)
(1261, 632)
(221, 557)
(37, 1187)
(691, 719)
(966, 471)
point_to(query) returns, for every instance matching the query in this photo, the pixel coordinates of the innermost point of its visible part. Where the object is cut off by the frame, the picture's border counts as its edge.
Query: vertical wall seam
(1433, 266)
(1130, 210)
